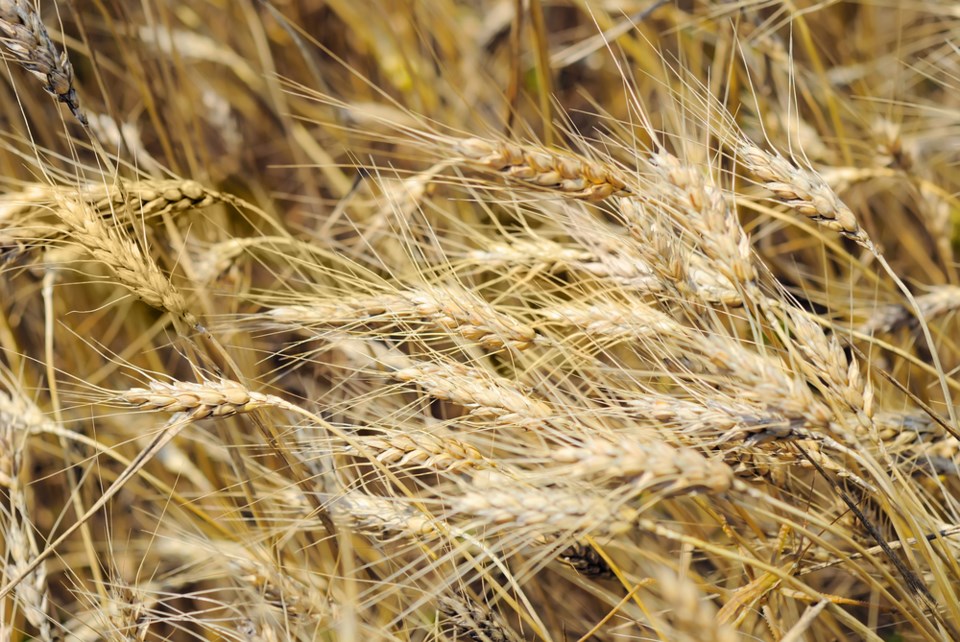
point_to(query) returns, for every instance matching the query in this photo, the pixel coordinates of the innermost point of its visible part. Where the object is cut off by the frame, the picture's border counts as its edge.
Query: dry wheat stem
(27, 42)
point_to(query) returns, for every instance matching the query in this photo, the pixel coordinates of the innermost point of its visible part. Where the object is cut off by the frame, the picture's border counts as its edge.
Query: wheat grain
(25, 220)
(472, 621)
(617, 320)
(32, 592)
(17, 416)
(679, 268)
(705, 213)
(283, 590)
(610, 263)
(939, 301)
(584, 559)
(376, 516)
(537, 250)
(646, 465)
(825, 359)
(547, 512)
(693, 617)
(127, 616)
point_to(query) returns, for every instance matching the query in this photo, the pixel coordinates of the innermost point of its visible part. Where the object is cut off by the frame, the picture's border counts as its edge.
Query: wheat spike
(486, 396)
(566, 173)
(222, 398)
(28, 43)
(420, 448)
(445, 310)
(803, 190)
(649, 465)
(471, 621)
(135, 270)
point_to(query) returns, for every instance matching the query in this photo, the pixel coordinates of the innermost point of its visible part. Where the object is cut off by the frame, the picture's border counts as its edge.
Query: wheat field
(480, 320)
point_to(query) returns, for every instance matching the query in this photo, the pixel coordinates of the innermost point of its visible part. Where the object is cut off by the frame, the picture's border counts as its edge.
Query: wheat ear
(446, 310)
(565, 173)
(28, 43)
(134, 269)
(484, 395)
(428, 450)
(804, 191)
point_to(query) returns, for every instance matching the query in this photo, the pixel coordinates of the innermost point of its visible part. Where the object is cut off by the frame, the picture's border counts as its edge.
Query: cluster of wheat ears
(492, 320)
